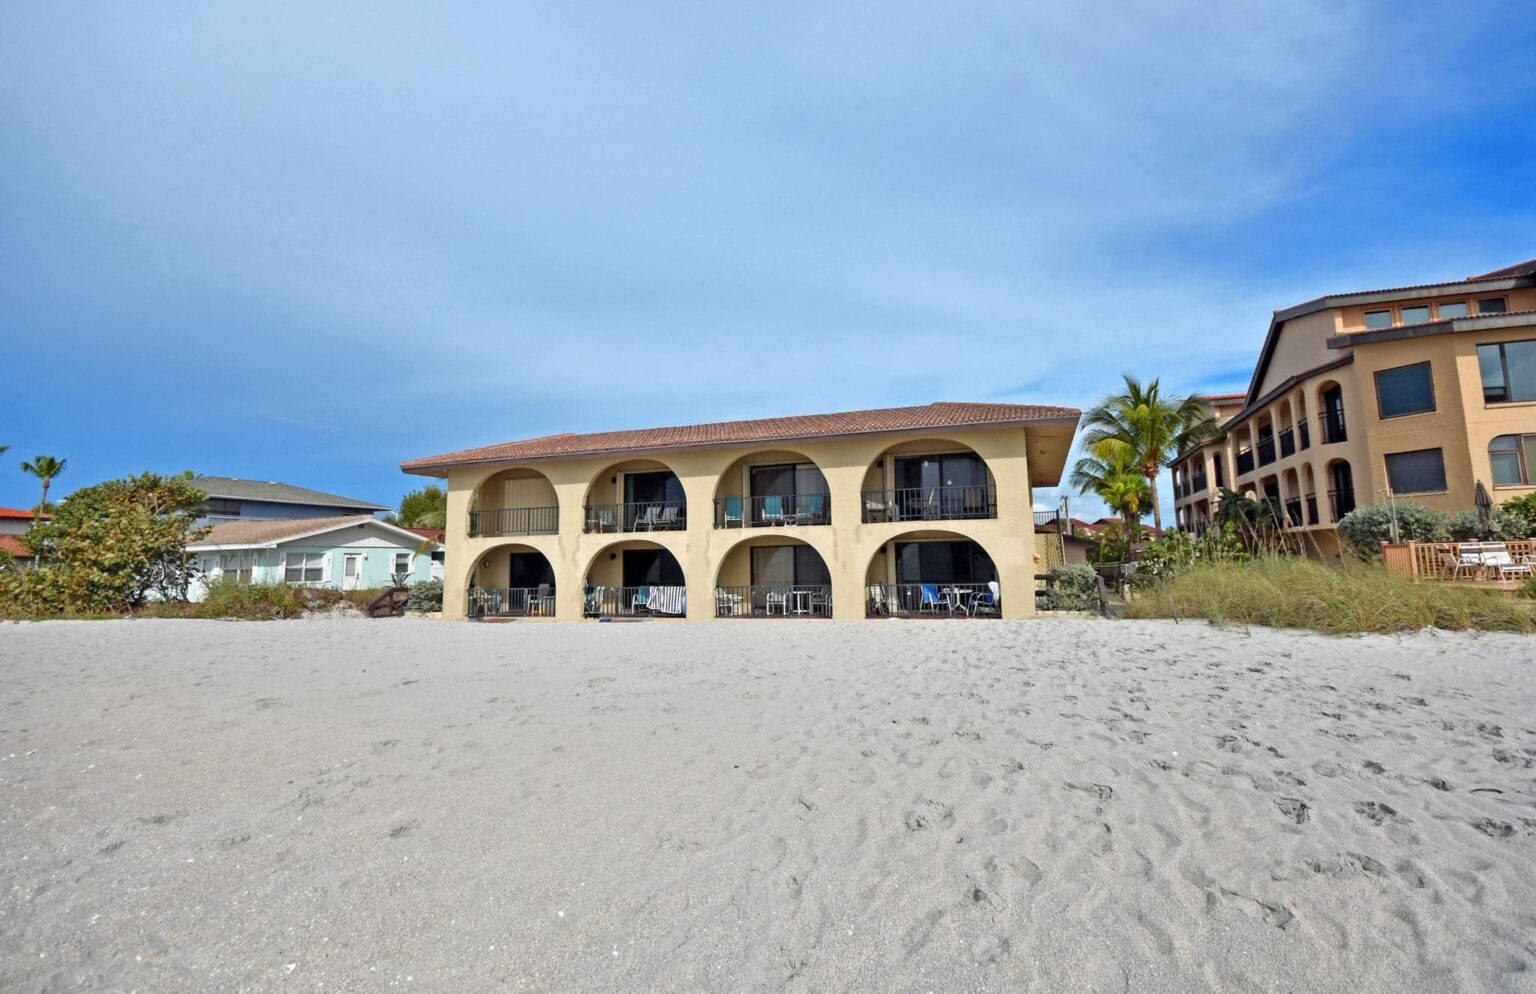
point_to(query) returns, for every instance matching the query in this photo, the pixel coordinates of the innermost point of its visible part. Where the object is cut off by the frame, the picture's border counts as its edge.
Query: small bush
(426, 596)
(1466, 525)
(255, 601)
(1076, 588)
(1304, 593)
(1365, 528)
(1520, 514)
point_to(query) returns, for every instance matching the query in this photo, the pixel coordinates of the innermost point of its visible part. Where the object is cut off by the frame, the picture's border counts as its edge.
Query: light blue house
(231, 499)
(356, 552)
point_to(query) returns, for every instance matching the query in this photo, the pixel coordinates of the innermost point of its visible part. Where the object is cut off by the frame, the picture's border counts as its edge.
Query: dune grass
(1285, 592)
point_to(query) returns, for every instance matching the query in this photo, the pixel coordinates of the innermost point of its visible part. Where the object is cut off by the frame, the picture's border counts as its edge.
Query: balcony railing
(930, 504)
(512, 602)
(1332, 429)
(1303, 430)
(647, 516)
(1198, 485)
(1293, 511)
(1287, 442)
(1311, 509)
(1341, 502)
(515, 521)
(1245, 462)
(934, 600)
(765, 512)
(630, 602)
(1266, 449)
(788, 600)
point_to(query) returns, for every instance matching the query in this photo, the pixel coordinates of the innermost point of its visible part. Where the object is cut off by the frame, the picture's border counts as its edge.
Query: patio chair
(1496, 558)
(641, 599)
(668, 520)
(1467, 558)
(773, 510)
(733, 512)
(876, 510)
(600, 519)
(727, 605)
(819, 603)
(646, 519)
(931, 510)
(815, 509)
(779, 599)
(542, 603)
(877, 604)
(480, 602)
(989, 600)
(928, 597)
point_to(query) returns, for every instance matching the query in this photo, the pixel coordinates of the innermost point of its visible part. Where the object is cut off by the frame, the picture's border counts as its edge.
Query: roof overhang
(1429, 329)
(274, 543)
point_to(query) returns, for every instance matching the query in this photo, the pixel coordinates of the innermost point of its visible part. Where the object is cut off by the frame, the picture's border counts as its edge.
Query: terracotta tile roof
(12, 544)
(889, 419)
(438, 535)
(16, 512)
(247, 533)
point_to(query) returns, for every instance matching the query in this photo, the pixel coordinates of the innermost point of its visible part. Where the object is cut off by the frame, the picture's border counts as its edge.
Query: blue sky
(305, 242)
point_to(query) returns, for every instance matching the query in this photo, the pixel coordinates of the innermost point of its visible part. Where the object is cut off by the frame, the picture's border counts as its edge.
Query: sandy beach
(345, 805)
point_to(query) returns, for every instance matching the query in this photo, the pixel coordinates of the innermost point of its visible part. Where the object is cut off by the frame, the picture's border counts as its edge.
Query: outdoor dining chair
(928, 597)
(815, 509)
(877, 603)
(1497, 559)
(989, 600)
(542, 603)
(733, 512)
(647, 518)
(773, 510)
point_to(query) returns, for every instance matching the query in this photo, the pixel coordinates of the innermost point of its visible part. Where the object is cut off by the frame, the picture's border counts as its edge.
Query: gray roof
(281, 493)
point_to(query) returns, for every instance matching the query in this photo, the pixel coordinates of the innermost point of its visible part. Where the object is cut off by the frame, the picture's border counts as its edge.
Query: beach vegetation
(46, 469)
(1074, 587)
(1108, 470)
(424, 508)
(427, 595)
(1366, 527)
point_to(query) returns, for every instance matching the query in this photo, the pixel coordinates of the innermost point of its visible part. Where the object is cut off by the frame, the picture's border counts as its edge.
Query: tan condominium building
(923, 511)
(1425, 390)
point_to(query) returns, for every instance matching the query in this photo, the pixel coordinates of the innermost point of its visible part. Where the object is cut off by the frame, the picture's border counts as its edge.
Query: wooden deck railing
(1429, 559)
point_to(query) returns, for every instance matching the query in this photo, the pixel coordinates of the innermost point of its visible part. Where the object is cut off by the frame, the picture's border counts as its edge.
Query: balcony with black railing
(1304, 434)
(1266, 449)
(644, 516)
(514, 521)
(1332, 427)
(635, 602)
(1311, 501)
(942, 599)
(512, 602)
(773, 511)
(782, 600)
(1293, 511)
(1287, 442)
(1197, 485)
(1245, 462)
(930, 504)
(1341, 502)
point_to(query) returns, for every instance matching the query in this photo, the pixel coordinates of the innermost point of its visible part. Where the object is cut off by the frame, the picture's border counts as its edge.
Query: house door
(351, 571)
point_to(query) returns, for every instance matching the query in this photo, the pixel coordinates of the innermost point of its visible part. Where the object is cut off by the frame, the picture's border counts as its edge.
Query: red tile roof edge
(17, 512)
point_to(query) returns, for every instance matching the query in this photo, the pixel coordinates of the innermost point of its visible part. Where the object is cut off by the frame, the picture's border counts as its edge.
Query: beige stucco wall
(848, 545)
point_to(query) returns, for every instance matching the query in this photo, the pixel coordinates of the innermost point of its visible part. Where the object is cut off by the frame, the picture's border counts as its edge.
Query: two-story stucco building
(1423, 390)
(911, 510)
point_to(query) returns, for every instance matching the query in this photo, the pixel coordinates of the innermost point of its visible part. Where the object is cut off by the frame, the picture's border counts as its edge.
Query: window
(304, 567)
(1492, 305)
(1378, 319)
(222, 506)
(1509, 371)
(1418, 472)
(1514, 460)
(402, 562)
(236, 566)
(1454, 309)
(1417, 314)
(1221, 473)
(1405, 390)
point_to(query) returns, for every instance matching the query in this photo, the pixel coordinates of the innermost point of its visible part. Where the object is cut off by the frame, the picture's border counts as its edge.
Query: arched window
(1513, 458)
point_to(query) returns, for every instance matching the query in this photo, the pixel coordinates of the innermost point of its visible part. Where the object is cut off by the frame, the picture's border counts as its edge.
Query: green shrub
(1365, 528)
(1466, 525)
(1291, 592)
(1520, 513)
(1076, 588)
(254, 601)
(426, 596)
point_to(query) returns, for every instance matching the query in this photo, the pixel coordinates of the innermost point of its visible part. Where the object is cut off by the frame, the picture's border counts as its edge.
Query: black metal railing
(930, 504)
(1341, 502)
(1245, 462)
(1287, 442)
(1266, 449)
(627, 602)
(645, 516)
(767, 512)
(1311, 509)
(1305, 433)
(774, 600)
(512, 602)
(1293, 511)
(515, 521)
(934, 600)
(1332, 427)
(1198, 484)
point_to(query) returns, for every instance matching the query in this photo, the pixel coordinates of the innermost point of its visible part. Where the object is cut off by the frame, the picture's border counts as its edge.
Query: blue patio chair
(989, 600)
(815, 508)
(928, 597)
(773, 509)
(733, 511)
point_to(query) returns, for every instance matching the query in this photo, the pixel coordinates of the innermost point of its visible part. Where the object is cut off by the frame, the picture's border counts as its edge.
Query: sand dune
(749, 806)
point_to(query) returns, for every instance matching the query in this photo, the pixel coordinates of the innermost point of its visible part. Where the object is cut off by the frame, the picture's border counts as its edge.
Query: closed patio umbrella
(1484, 508)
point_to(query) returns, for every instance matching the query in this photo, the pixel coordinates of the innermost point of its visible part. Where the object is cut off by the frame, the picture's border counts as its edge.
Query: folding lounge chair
(733, 512)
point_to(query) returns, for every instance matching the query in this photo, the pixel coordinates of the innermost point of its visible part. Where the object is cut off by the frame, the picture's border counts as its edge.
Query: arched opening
(1242, 449)
(1292, 495)
(512, 581)
(1341, 489)
(634, 579)
(1303, 429)
(1309, 493)
(1265, 446)
(640, 495)
(1330, 405)
(1287, 429)
(773, 576)
(772, 489)
(1512, 459)
(932, 574)
(928, 480)
(515, 502)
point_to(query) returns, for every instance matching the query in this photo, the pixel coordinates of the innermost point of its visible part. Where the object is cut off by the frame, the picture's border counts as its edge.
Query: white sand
(809, 806)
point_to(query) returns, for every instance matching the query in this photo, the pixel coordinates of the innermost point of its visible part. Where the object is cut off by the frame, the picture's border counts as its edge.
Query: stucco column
(698, 563)
(458, 560)
(1014, 553)
(850, 559)
(567, 559)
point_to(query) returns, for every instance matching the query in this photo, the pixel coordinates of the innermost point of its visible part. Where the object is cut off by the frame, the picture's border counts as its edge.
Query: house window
(236, 566)
(402, 562)
(304, 567)
(1417, 314)
(1378, 319)
(1454, 309)
(1418, 472)
(222, 506)
(1514, 460)
(1509, 371)
(1492, 305)
(1405, 390)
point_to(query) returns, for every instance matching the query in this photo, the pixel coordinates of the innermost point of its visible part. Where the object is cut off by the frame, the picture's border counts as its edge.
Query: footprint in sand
(1494, 829)
(1378, 813)
(1293, 808)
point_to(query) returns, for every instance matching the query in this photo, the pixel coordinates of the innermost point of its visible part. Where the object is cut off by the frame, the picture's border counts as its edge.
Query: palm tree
(45, 468)
(1154, 427)
(1110, 470)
